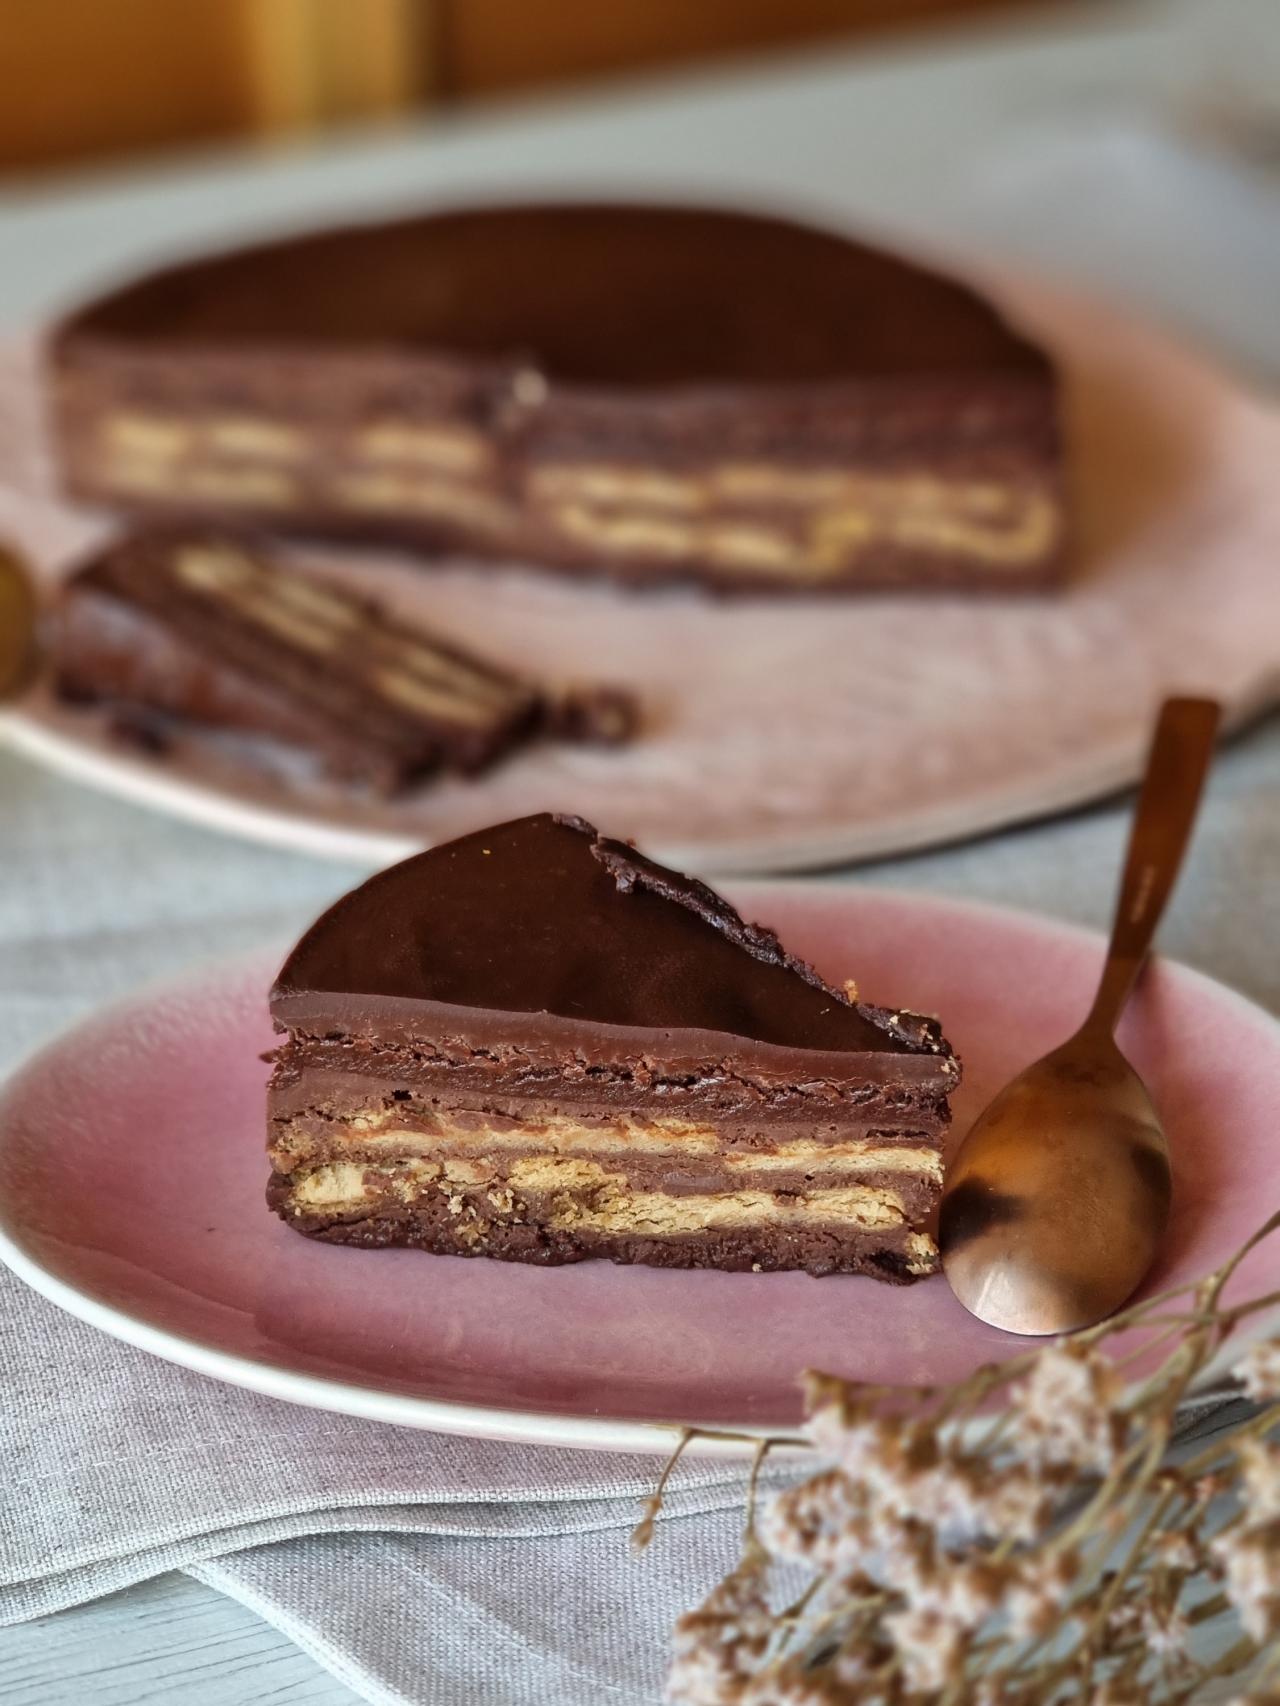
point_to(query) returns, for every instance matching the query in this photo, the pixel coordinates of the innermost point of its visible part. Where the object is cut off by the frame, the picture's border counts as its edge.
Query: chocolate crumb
(598, 716)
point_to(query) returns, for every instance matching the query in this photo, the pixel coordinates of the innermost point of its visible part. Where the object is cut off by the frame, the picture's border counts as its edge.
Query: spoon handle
(1176, 768)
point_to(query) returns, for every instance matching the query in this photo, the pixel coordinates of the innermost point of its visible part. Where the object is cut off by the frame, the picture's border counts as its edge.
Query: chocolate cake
(639, 392)
(536, 1044)
(215, 638)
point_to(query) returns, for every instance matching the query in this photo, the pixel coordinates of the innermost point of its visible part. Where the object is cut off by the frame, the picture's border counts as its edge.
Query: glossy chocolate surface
(549, 929)
(611, 295)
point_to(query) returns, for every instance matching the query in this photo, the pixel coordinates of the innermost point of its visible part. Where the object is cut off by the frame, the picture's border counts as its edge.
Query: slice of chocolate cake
(645, 393)
(536, 1044)
(215, 638)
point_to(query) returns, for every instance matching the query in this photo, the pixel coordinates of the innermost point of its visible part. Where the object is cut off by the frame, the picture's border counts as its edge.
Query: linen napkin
(436, 1620)
(432, 1620)
(119, 1466)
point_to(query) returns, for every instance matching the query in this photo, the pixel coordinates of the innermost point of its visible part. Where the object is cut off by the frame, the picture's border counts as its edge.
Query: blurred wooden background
(82, 80)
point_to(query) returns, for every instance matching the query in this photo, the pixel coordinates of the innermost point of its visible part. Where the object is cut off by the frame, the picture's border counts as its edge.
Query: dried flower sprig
(1024, 1538)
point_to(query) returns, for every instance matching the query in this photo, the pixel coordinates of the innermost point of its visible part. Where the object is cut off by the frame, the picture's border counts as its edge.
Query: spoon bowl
(1059, 1198)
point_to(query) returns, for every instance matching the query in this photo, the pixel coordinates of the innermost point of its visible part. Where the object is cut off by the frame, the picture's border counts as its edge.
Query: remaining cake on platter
(536, 1044)
(645, 393)
(205, 636)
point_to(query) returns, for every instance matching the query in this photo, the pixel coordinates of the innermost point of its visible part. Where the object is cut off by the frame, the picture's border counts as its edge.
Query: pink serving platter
(132, 1174)
(792, 733)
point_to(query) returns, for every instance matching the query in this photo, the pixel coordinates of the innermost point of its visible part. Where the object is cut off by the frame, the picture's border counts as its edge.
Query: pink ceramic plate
(132, 1173)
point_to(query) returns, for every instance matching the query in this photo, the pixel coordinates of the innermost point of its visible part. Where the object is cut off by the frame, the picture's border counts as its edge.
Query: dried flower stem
(642, 1534)
(961, 1542)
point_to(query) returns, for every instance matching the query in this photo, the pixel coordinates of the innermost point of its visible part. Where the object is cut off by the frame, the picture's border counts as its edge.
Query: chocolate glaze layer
(595, 294)
(541, 933)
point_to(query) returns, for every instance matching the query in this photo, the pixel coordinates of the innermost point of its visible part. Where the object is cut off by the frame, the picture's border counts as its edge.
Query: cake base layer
(554, 1209)
(470, 1223)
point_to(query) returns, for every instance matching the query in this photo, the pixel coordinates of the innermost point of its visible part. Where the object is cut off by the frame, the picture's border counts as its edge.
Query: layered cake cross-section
(536, 1044)
(639, 392)
(218, 639)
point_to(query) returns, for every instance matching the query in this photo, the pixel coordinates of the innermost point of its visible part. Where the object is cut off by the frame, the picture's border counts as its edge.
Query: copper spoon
(1058, 1198)
(17, 623)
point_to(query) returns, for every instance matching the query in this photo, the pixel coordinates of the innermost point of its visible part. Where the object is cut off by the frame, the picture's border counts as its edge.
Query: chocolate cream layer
(672, 1154)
